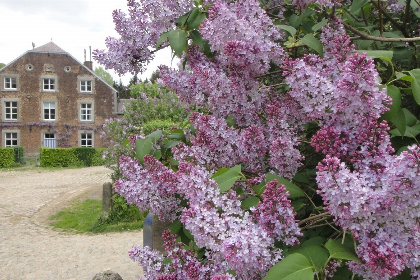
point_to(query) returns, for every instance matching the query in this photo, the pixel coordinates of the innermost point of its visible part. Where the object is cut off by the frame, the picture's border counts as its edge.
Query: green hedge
(82, 156)
(7, 157)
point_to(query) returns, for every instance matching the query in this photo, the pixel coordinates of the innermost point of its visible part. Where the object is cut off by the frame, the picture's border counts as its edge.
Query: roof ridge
(50, 47)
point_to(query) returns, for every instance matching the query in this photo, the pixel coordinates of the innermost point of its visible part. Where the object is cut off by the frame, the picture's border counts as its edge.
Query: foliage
(104, 75)
(2, 65)
(81, 156)
(151, 107)
(121, 212)
(305, 133)
(7, 157)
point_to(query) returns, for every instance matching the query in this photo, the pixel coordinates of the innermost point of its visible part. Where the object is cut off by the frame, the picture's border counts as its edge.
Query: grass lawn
(85, 217)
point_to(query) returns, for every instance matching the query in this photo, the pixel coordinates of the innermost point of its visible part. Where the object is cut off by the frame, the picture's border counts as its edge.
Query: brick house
(49, 99)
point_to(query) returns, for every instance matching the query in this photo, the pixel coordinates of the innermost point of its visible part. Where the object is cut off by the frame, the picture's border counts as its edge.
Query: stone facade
(49, 99)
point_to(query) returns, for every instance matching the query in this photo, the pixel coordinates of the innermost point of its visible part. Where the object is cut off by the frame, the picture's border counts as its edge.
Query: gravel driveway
(31, 249)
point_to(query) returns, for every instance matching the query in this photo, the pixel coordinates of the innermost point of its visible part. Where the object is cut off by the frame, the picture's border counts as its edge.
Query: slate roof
(50, 48)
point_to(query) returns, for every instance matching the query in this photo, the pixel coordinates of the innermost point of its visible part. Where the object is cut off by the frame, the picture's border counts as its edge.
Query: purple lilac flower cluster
(380, 208)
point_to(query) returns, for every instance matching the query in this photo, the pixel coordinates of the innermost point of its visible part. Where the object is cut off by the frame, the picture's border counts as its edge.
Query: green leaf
(220, 172)
(182, 19)
(171, 144)
(415, 84)
(294, 191)
(143, 147)
(250, 202)
(162, 38)
(289, 29)
(188, 234)
(410, 118)
(226, 180)
(319, 25)
(195, 19)
(178, 41)
(259, 189)
(175, 226)
(302, 178)
(154, 136)
(195, 35)
(410, 131)
(313, 43)
(295, 20)
(403, 77)
(317, 255)
(356, 5)
(340, 251)
(377, 54)
(317, 240)
(157, 154)
(177, 134)
(297, 205)
(293, 267)
(396, 114)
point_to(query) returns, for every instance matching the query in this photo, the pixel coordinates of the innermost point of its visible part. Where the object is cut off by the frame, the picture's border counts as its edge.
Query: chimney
(89, 64)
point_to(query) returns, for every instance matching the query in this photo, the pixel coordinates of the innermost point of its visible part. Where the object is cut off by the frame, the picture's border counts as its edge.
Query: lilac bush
(290, 137)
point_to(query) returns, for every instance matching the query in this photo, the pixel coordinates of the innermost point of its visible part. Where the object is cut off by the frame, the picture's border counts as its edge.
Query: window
(86, 112)
(48, 84)
(86, 139)
(48, 111)
(10, 110)
(85, 86)
(11, 139)
(49, 140)
(10, 83)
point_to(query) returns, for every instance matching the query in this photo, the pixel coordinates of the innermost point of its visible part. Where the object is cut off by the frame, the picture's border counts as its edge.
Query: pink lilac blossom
(275, 214)
(380, 208)
(139, 31)
(150, 187)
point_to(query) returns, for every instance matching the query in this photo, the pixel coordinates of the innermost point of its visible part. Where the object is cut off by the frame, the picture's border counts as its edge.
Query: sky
(73, 25)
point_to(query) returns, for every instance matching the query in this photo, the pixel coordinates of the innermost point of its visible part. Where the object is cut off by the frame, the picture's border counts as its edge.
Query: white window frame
(10, 82)
(83, 85)
(8, 136)
(54, 143)
(86, 86)
(85, 136)
(6, 107)
(85, 112)
(45, 107)
(51, 82)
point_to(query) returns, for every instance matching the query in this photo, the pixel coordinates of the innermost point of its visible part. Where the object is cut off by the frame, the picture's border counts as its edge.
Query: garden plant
(299, 159)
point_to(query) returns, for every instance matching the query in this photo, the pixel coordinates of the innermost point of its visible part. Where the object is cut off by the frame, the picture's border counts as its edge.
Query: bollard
(148, 231)
(106, 199)
(152, 232)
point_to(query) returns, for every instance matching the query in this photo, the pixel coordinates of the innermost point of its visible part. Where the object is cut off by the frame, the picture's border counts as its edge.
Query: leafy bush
(164, 125)
(83, 156)
(7, 157)
(121, 212)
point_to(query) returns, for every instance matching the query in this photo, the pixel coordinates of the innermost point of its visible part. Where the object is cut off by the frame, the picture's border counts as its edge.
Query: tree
(104, 75)
(293, 143)
(2, 65)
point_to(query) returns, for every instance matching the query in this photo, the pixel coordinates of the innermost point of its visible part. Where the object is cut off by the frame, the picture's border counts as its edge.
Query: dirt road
(31, 249)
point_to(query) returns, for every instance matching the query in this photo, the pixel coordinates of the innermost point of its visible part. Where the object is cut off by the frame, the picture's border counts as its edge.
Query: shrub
(164, 125)
(7, 157)
(80, 156)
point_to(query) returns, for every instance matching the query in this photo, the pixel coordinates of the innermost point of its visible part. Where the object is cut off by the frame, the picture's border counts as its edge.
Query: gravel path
(31, 249)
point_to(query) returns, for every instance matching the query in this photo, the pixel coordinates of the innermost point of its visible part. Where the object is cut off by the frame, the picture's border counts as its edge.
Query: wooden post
(106, 199)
